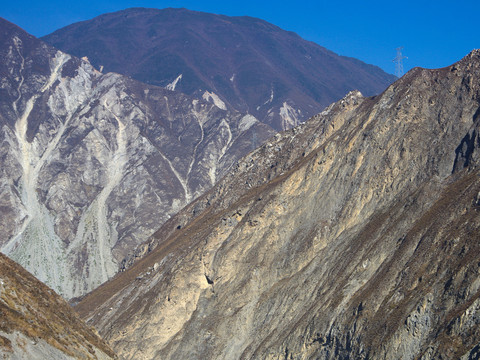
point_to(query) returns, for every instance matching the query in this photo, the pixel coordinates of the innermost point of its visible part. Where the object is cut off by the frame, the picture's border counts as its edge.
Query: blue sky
(433, 33)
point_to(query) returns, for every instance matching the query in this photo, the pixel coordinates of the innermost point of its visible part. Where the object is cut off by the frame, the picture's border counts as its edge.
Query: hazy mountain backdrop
(240, 63)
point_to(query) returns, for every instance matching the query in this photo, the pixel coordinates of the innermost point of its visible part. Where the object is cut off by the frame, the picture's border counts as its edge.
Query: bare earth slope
(352, 236)
(36, 323)
(87, 156)
(241, 62)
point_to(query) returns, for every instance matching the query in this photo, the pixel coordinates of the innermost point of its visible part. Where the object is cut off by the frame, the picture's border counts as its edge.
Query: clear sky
(433, 33)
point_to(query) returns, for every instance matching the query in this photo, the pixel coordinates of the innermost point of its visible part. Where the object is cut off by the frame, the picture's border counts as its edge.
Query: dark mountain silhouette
(249, 64)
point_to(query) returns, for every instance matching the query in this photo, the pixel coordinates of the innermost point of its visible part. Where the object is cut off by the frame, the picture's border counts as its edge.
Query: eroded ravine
(37, 245)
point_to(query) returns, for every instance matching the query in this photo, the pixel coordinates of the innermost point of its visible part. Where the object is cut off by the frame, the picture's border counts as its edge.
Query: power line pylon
(399, 62)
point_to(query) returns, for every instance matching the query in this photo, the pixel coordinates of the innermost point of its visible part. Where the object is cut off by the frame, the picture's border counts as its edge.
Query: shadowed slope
(243, 63)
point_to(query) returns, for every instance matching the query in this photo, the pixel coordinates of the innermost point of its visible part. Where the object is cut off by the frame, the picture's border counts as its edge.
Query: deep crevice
(209, 281)
(464, 152)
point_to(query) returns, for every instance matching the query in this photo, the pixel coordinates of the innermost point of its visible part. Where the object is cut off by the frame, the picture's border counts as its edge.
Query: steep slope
(241, 63)
(352, 236)
(86, 156)
(36, 323)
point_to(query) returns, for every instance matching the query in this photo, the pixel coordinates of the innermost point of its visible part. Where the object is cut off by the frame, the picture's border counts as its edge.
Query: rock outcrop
(36, 323)
(93, 164)
(352, 236)
(239, 63)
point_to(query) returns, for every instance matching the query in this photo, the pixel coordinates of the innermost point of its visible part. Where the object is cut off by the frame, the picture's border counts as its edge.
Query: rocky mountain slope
(93, 164)
(238, 63)
(354, 235)
(36, 323)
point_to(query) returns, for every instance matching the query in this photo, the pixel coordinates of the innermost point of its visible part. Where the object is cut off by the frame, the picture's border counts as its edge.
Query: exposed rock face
(239, 63)
(352, 236)
(36, 323)
(93, 164)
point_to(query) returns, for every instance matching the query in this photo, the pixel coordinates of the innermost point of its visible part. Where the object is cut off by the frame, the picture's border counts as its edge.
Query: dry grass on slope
(30, 307)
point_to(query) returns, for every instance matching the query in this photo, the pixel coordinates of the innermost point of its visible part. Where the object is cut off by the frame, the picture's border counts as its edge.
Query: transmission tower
(399, 62)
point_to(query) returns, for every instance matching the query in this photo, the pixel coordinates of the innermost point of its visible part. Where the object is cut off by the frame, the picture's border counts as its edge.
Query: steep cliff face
(85, 156)
(36, 323)
(238, 63)
(352, 236)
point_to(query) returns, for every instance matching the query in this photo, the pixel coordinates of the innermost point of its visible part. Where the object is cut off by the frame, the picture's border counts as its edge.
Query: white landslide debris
(207, 96)
(18, 44)
(173, 84)
(94, 229)
(271, 97)
(37, 246)
(200, 119)
(212, 170)
(289, 116)
(247, 122)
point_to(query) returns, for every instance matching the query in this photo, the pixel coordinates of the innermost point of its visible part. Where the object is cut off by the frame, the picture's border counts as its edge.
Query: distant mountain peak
(241, 59)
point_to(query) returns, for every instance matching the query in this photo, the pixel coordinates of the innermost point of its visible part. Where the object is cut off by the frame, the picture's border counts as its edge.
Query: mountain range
(199, 232)
(240, 63)
(94, 163)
